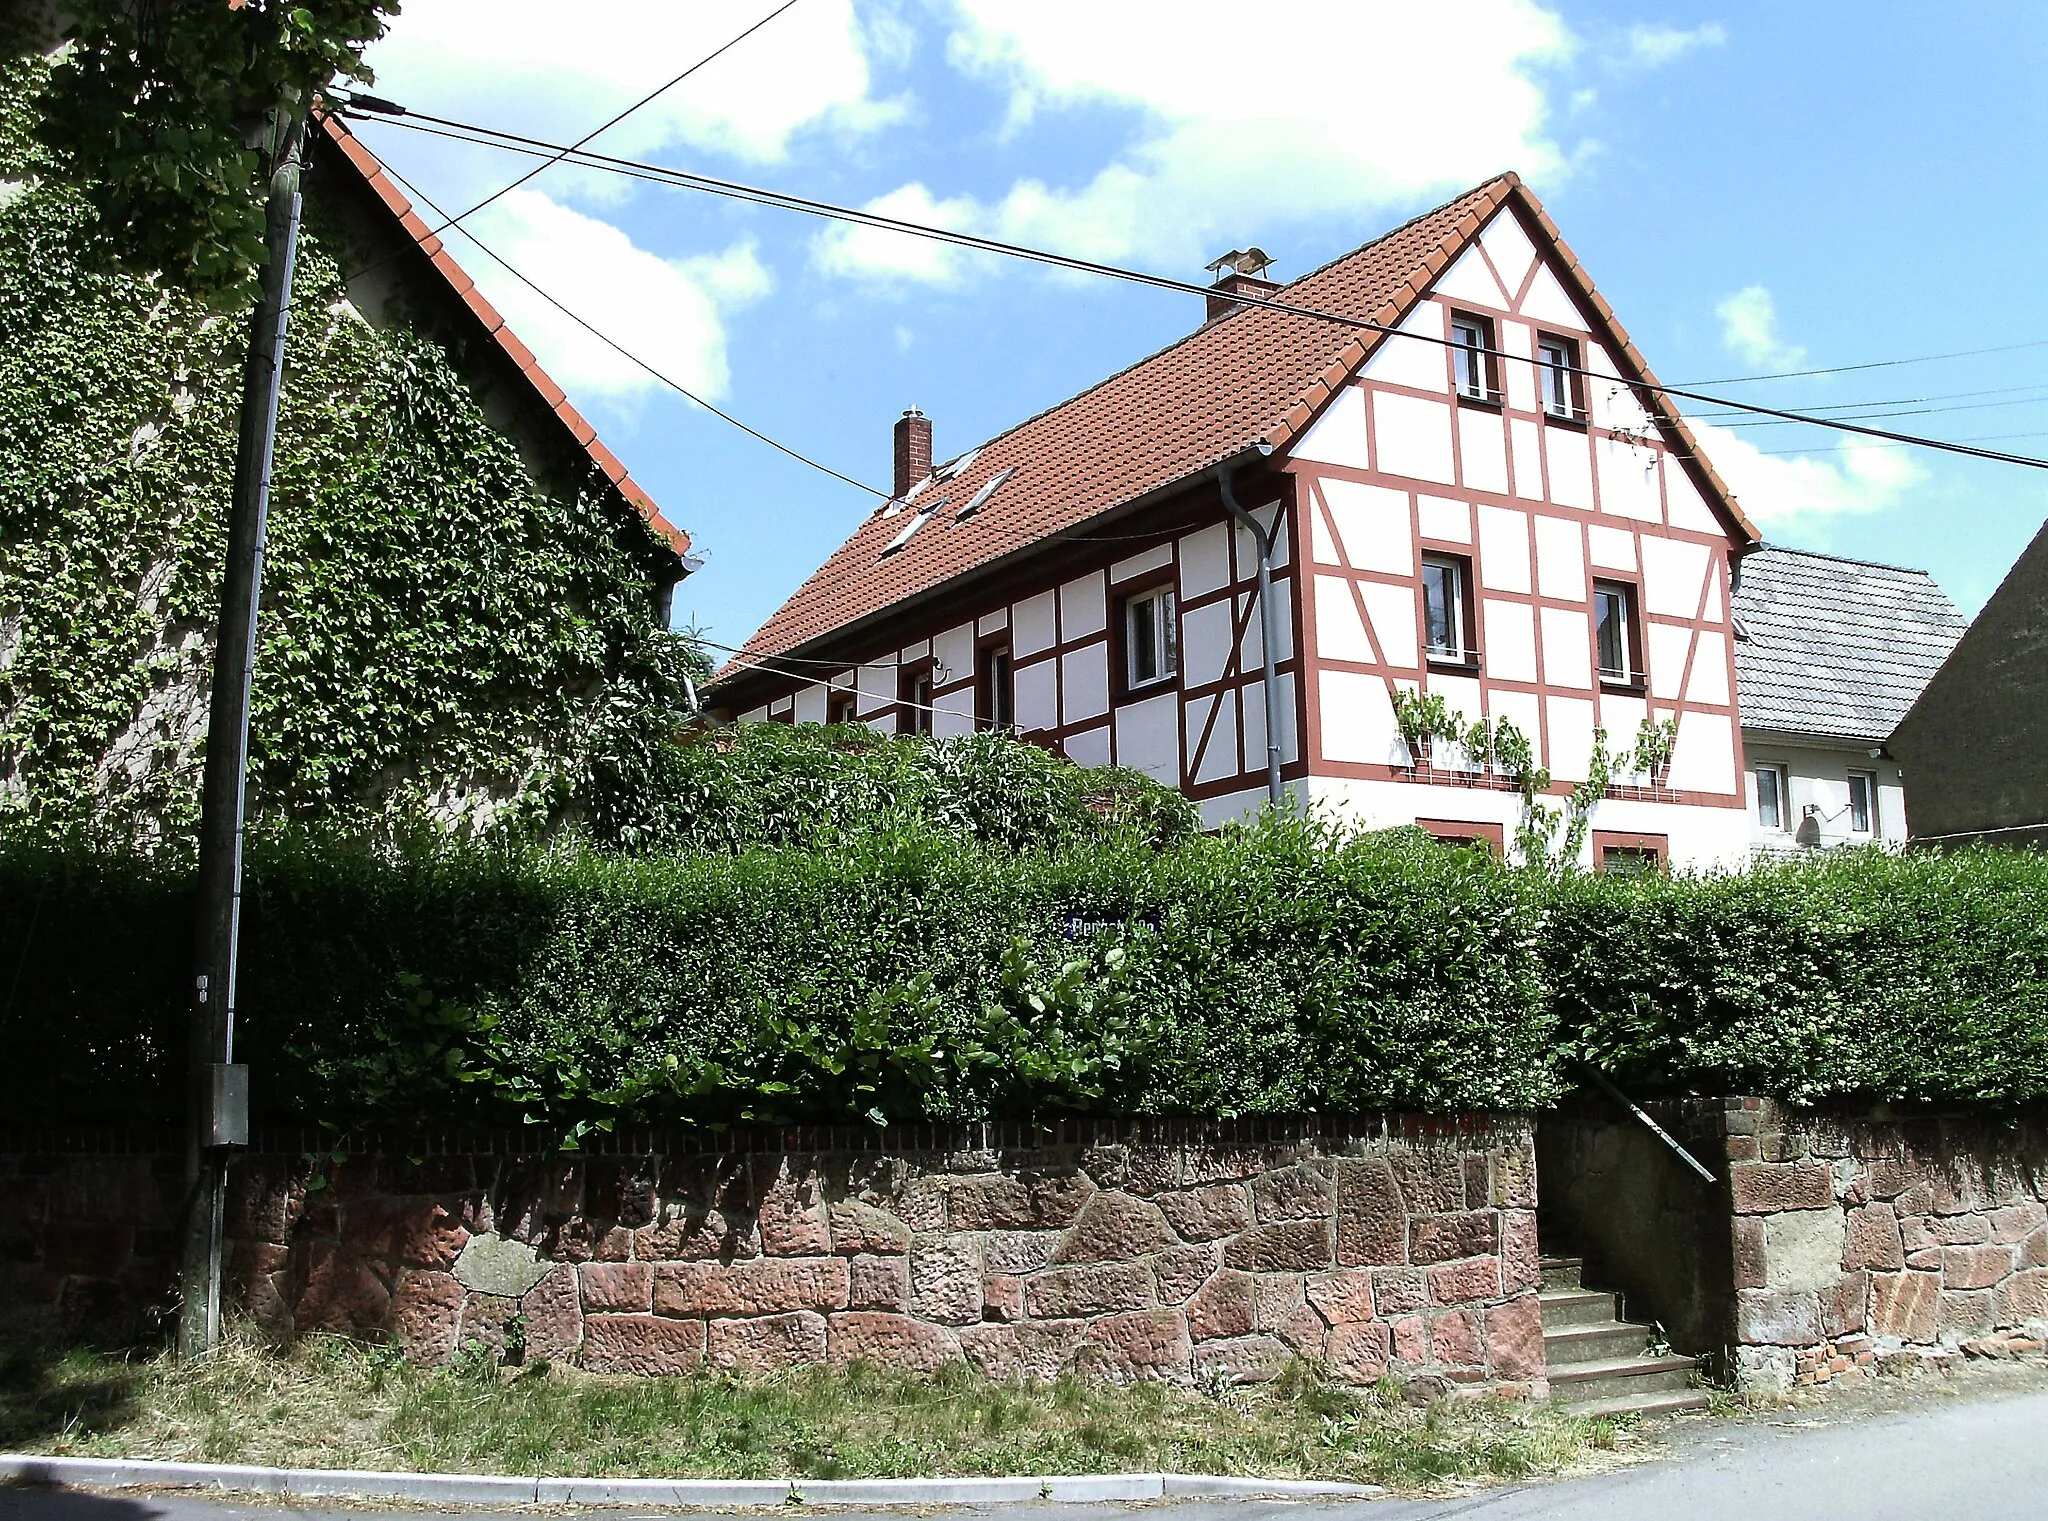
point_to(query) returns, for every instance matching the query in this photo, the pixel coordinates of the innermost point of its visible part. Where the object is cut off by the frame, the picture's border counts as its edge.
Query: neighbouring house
(1829, 655)
(1975, 744)
(463, 584)
(1488, 504)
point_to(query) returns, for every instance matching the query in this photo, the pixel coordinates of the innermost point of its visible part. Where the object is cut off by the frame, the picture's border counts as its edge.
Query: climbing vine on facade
(439, 635)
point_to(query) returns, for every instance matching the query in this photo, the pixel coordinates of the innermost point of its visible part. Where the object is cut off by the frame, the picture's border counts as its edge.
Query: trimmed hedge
(1268, 970)
(1853, 974)
(1275, 968)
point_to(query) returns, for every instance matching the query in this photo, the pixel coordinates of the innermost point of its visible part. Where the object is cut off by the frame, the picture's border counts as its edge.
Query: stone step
(1593, 1341)
(1666, 1402)
(1619, 1377)
(1576, 1307)
(1562, 1272)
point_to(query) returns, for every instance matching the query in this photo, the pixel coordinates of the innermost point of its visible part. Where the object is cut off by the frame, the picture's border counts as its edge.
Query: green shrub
(812, 786)
(1917, 977)
(1272, 969)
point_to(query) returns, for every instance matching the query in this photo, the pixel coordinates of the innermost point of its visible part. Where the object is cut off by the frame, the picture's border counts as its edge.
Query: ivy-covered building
(466, 595)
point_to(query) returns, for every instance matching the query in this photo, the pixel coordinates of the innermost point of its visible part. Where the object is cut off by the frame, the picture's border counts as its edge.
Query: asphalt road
(1985, 1459)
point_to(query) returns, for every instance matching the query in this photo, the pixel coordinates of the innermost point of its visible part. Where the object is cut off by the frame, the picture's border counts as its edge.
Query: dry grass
(333, 1403)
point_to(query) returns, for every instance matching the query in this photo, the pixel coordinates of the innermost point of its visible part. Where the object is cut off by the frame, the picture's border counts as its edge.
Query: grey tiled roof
(1836, 648)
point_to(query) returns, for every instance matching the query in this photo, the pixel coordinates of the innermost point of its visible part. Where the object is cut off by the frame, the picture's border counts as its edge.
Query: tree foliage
(156, 109)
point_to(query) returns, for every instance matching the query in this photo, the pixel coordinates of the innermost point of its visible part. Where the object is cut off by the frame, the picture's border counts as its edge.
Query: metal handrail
(1607, 1087)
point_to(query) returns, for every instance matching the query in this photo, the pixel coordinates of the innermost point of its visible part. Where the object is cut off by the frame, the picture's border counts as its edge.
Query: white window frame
(1472, 360)
(1455, 585)
(1555, 378)
(1781, 780)
(1157, 612)
(1870, 815)
(1630, 673)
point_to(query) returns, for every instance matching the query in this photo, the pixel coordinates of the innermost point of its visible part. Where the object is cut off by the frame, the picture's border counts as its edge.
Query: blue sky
(1757, 188)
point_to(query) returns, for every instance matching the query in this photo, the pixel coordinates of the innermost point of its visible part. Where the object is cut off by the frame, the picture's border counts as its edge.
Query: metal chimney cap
(1253, 261)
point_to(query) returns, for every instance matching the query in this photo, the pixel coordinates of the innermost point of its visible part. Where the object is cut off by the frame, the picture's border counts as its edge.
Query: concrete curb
(489, 1489)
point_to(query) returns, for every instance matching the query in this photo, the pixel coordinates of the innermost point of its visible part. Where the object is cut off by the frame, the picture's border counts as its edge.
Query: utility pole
(218, 1097)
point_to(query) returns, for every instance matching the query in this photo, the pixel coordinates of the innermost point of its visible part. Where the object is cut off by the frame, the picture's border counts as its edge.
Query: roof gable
(1252, 382)
(408, 227)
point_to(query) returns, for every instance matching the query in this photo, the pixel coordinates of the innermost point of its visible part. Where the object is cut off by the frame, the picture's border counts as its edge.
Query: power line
(1874, 364)
(1974, 406)
(674, 385)
(633, 169)
(1845, 448)
(1840, 408)
(588, 137)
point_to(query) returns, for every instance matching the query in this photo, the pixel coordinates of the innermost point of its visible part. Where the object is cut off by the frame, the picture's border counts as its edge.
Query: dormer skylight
(924, 516)
(988, 489)
(953, 467)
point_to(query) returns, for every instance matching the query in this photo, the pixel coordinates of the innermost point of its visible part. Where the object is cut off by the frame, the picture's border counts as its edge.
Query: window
(1151, 639)
(914, 694)
(1614, 632)
(1447, 607)
(1557, 377)
(1490, 838)
(995, 690)
(1773, 806)
(1862, 802)
(1472, 357)
(1629, 855)
(840, 706)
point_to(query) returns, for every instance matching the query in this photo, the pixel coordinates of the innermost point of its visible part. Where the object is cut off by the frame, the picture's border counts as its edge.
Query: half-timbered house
(1471, 490)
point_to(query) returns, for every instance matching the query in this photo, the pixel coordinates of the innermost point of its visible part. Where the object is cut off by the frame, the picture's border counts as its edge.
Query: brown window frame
(1489, 349)
(986, 653)
(842, 705)
(1636, 679)
(1575, 382)
(1657, 847)
(912, 716)
(1466, 661)
(1120, 638)
(1493, 837)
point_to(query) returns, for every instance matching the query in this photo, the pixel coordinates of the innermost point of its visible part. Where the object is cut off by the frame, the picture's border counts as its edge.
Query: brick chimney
(1238, 273)
(913, 450)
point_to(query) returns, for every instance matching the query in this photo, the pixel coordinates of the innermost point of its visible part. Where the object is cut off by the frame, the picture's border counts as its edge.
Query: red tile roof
(551, 396)
(1255, 378)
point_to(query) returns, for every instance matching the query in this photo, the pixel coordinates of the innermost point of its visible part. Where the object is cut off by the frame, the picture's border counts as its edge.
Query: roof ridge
(1816, 554)
(1243, 307)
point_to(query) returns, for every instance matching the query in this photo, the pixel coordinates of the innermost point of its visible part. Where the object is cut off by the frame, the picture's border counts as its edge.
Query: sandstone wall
(1193, 1250)
(1830, 1243)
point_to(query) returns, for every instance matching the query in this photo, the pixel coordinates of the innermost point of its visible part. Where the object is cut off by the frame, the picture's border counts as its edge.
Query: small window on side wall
(1474, 368)
(1151, 638)
(1558, 378)
(914, 700)
(1614, 633)
(1447, 608)
(1629, 855)
(840, 706)
(1863, 803)
(995, 690)
(1773, 805)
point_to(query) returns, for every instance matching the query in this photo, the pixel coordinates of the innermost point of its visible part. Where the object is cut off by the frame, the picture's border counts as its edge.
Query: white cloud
(670, 313)
(874, 253)
(1237, 122)
(1651, 47)
(1780, 492)
(1749, 330)
(555, 71)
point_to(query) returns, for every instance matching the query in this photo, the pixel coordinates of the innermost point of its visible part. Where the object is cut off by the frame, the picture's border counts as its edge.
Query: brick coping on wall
(751, 1140)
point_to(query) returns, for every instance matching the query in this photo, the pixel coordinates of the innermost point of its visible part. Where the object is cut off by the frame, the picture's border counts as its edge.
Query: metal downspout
(1266, 631)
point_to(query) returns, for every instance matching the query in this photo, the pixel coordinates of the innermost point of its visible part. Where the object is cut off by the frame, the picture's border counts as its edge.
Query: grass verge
(332, 1403)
